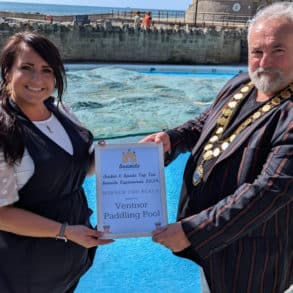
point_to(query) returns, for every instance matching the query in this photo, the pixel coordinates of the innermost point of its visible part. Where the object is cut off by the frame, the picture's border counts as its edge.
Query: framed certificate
(131, 196)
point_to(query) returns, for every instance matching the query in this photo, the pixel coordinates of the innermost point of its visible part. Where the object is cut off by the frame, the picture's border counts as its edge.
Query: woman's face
(31, 80)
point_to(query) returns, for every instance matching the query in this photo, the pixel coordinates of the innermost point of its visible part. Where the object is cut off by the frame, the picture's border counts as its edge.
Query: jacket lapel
(209, 126)
(215, 113)
(240, 139)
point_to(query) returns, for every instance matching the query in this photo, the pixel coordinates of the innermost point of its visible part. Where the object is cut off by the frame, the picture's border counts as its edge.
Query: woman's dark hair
(10, 132)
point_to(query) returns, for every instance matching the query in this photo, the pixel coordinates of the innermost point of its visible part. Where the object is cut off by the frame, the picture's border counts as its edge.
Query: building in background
(206, 11)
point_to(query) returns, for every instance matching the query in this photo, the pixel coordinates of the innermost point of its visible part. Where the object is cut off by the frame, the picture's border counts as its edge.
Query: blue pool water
(126, 101)
(121, 100)
(138, 264)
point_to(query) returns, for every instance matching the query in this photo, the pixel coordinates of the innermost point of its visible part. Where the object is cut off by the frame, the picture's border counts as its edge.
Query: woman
(46, 240)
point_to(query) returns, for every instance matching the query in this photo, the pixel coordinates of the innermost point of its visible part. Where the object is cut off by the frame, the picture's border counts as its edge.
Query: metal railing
(163, 17)
(220, 19)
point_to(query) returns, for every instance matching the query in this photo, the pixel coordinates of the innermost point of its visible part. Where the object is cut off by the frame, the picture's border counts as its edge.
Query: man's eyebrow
(278, 45)
(27, 63)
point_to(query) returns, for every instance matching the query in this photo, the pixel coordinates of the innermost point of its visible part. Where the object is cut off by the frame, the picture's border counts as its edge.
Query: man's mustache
(262, 70)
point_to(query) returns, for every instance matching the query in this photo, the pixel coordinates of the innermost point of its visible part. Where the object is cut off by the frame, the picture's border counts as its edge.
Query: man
(147, 21)
(235, 215)
(137, 20)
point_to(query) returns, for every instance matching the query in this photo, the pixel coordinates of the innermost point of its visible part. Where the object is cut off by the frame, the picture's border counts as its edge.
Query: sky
(154, 4)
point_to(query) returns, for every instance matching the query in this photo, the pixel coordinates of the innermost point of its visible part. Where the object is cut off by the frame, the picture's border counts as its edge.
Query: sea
(59, 9)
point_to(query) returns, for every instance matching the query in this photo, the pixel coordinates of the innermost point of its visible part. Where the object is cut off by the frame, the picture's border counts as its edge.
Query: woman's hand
(85, 236)
(159, 137)
(26, 223)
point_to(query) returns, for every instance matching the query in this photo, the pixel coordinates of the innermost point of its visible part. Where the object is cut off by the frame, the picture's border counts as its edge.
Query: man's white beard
(263, 81)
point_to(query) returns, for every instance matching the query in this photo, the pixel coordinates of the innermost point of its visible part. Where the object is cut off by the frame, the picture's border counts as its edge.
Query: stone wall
(107, 43)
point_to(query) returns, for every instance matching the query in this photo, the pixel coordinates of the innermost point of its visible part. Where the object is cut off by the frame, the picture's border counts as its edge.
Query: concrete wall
(125, 44)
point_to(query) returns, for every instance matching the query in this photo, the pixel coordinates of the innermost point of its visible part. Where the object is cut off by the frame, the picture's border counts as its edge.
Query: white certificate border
(98, 149)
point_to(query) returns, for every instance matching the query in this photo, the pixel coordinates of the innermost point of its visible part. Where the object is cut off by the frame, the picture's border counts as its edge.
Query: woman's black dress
(46, 265)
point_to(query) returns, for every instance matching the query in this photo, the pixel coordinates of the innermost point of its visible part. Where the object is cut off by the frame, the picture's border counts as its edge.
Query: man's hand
(159, 137)
(171, 236)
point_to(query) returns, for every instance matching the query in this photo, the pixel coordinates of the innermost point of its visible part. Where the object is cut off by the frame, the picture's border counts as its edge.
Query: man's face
(270, 46)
